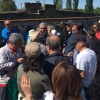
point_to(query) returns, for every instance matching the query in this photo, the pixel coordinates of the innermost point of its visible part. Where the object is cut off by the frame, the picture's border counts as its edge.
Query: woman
(96, 28)
(32, 67)
(66, 81)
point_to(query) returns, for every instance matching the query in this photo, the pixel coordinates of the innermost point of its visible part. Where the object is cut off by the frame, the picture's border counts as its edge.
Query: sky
(96, 3)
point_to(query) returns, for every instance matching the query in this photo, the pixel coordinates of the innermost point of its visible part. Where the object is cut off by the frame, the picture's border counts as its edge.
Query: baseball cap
(32, 50)
(69, 22)
(31, 32)
(78, 38)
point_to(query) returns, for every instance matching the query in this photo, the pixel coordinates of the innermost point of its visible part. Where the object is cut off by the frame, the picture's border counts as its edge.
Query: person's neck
(8, 28)
(54, 51)
(11, 46)
(83, 48)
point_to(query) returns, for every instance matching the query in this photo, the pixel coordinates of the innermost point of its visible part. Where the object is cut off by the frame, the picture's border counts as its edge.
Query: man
(66, 33)
(86, 61)
(10, 57)
(55, 56)
(7, 31)
(77, 28)
(94, 44)
(43, 32)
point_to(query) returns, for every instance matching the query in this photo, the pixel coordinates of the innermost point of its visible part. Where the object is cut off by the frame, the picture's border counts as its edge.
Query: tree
(58, 4)
(7, 5)
(89, 6)
(75, 5)
(69, 4)
(97, 10)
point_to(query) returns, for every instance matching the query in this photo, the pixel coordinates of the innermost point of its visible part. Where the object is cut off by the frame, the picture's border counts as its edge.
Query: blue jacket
(6, 33)
(69, 47)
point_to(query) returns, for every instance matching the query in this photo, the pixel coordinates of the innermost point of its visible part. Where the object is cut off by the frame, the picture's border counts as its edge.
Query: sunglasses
(94, 27)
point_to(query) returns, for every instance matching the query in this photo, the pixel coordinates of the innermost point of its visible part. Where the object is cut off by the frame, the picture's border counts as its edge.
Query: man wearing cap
(32, 67)
(86, 61)
(66, 32)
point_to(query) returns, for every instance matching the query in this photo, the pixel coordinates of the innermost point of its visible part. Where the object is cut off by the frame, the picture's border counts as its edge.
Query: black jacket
(94, 44)
(51, 61)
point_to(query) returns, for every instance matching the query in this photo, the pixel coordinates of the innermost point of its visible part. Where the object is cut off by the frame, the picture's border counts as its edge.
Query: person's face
(48, 30)
(94, 27)
(18, 44)
(74, 30)
(68, 28)
(8, 24)
(43, 28)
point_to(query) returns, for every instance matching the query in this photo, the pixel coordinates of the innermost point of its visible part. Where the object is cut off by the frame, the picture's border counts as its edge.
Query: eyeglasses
(8, 24)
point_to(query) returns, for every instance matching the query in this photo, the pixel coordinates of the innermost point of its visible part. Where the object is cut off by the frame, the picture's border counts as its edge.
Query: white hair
(14, 37)
(42, 24)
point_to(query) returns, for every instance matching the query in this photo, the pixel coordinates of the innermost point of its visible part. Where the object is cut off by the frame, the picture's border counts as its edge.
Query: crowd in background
(57, 62)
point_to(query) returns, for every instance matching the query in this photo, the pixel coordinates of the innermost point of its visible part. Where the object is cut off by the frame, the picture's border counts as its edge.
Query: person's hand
(20, 60)
(26, 86)
(70, 54)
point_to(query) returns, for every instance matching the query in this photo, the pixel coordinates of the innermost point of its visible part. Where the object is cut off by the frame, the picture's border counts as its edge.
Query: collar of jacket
(55, 54)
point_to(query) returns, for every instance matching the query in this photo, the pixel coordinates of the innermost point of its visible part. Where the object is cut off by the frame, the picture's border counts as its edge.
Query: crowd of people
(57, 62)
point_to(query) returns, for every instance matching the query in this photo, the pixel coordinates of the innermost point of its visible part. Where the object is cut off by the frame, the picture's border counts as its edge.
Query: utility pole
(43, 2)
(21, 5)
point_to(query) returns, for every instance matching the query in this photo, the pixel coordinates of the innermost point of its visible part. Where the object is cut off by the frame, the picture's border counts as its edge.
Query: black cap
(69, 22)
(78, 38)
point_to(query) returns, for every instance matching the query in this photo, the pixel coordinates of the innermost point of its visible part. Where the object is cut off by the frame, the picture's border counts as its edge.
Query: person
(49, 29)
(35, 37)
(32, 67)
(77, 28)
(43, 32)
(11, 56)
(55, 56)
(27, 34)
(66, 81)
(96, 28)
(86, 61)
(66, 33)
(25, 84)
(6, 32)
(93, 43)
(94, 91)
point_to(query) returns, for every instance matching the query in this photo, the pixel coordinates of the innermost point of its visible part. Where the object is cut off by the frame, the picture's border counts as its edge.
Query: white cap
(31, 32)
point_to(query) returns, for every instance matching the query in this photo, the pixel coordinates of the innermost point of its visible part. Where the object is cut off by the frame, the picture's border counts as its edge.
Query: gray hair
(53, 43)
(42, 24)
(14, 37)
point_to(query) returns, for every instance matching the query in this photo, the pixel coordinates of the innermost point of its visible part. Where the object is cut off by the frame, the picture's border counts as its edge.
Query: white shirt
(86, 61)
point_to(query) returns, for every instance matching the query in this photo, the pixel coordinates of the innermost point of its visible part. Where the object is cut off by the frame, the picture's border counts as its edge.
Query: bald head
(53, 42)
(7, 23)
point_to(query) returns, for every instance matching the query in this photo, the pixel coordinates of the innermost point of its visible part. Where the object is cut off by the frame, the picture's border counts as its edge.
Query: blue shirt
(26, 37)
(6, 33)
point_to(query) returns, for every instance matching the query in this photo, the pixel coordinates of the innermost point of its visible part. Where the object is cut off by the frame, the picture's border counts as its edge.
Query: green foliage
(97, 10)
(69, 4)
(81, 10)
(7, 5)
(75, 5)
(58, 4)
(89, 6)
